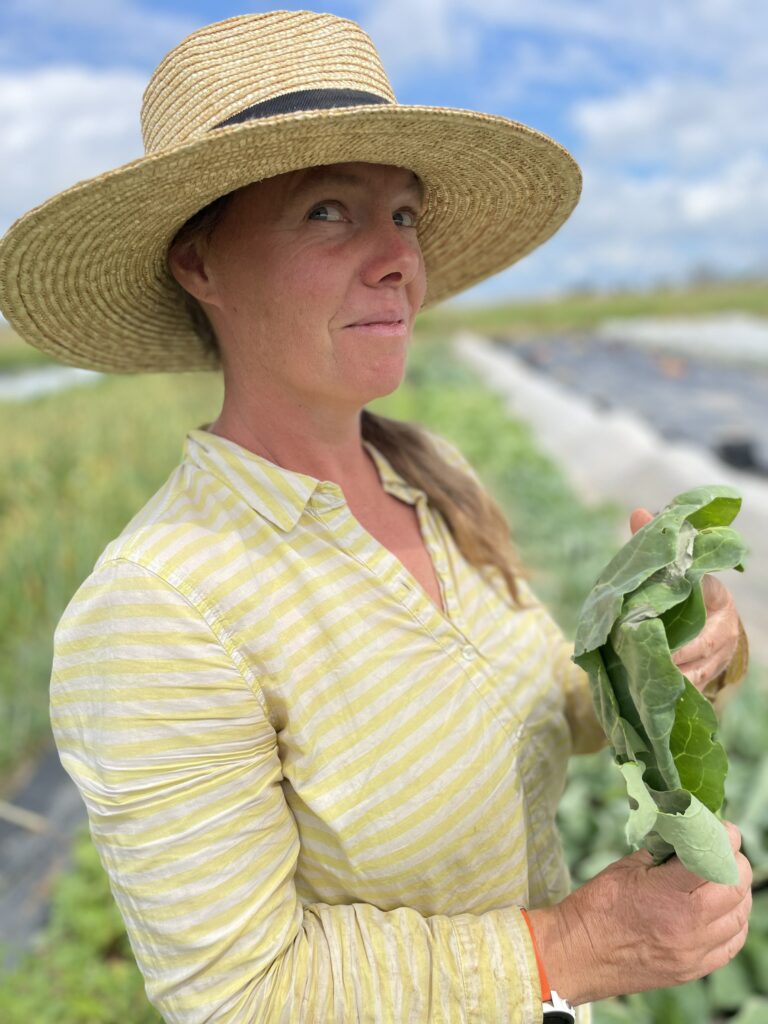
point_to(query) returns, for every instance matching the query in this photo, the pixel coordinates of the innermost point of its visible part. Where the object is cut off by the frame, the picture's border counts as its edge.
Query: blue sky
(662, 103)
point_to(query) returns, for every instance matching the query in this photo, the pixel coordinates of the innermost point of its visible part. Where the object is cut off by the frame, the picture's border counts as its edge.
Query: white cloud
(688, 30)
(690, 33)
(733, 200)
(63, 124)
(677, 120)
(430, 33)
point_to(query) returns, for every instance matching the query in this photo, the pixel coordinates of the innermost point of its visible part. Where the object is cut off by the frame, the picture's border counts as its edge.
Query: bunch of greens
(646, 604)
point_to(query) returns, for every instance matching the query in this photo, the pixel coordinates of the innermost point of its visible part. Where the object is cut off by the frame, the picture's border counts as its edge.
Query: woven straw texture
(84, 276)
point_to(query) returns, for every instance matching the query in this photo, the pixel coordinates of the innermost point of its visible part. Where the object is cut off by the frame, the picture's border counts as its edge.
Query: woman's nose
(394, 255)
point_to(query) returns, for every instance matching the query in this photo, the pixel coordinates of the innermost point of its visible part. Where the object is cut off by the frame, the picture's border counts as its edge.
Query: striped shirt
(318, 797)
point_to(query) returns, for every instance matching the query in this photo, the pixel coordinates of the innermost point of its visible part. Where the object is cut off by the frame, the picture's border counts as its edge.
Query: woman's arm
(178, 763)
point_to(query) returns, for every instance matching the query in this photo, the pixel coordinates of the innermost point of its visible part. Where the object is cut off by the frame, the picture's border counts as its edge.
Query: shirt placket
(441, 565)
(328, 505)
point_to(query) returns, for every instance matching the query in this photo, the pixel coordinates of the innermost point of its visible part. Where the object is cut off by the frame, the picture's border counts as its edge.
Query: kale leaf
(646, 604)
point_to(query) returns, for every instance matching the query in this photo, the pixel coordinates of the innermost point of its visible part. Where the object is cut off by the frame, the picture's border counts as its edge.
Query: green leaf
(729, 987)
(643, 811)
(642, 556)
(613, 1011)
(701, 842)
(715, 549)
(655, 684)
(683, 1004)
(647, 603)
(697, 836)
(755, 955)
(629, 721)
(719, 505)
(700, 759)
(664, 590)
(686, 621)
(753, 1012)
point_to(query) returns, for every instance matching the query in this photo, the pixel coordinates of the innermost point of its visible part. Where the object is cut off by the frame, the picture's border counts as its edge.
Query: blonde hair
(474, 519)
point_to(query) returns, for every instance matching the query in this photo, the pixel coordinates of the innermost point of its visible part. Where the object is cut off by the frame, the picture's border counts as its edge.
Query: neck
(322, 445)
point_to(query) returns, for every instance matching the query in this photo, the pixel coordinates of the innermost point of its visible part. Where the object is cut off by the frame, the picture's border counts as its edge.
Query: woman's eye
(326, 212)
(330, 213)
(411, 218)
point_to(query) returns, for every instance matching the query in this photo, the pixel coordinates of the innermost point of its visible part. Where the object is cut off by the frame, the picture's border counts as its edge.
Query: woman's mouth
(395, 328)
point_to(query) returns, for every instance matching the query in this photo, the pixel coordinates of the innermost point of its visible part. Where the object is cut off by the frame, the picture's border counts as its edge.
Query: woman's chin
(384, 382)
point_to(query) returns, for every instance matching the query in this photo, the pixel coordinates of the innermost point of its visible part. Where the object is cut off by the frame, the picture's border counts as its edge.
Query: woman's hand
(708, 654)
(637, 926)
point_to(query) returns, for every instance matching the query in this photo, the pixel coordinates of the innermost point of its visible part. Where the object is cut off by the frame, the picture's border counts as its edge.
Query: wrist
(555, 1009)
(567, 966)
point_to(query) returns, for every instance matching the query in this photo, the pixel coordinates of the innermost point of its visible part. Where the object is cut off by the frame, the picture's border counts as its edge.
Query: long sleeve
(171, 745)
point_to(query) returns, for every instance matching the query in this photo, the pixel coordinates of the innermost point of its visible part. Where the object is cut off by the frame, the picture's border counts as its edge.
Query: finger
(675, 876)
(713, 641)
(721, 904)
(716, 594)
(734, 835)
(718, 638)
(709, 653)
(724, 952)
(721, 930)
(639, 518)
(699, 673)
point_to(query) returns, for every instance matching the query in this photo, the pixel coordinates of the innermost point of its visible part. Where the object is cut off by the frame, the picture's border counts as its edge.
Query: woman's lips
(396, 329)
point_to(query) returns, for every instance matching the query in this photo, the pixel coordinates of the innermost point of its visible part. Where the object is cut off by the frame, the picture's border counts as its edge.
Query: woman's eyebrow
(328, 176)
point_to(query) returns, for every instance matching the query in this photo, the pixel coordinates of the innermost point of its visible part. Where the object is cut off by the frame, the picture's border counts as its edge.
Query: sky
(662, 103)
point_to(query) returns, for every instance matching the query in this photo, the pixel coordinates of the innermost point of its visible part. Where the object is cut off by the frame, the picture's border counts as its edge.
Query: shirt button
(468, 653)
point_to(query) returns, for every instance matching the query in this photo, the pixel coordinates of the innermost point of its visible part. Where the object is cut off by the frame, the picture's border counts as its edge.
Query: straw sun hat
(84, 276)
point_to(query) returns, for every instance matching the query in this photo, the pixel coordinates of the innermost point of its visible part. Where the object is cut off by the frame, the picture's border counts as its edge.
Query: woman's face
(314, 279)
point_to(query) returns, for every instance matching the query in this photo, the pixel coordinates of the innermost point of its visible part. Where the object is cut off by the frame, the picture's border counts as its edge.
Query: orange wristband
(546, 992)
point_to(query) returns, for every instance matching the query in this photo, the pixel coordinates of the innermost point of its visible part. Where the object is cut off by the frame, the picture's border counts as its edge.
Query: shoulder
(185, 531)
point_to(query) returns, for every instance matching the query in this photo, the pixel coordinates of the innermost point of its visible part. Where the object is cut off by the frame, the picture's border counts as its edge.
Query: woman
(319, 720)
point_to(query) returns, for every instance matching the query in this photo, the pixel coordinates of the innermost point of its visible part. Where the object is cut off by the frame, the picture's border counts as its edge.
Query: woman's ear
(187, 265)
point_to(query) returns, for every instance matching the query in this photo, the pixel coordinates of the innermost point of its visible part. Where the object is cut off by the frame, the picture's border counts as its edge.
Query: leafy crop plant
(645, 605)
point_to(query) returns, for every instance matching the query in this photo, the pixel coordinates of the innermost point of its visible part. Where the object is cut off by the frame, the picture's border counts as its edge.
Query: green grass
(73, 468)
(584, 312)
(82, 970)
(16, 355)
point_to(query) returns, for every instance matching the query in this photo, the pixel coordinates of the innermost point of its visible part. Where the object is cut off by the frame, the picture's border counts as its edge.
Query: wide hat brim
(84, 276)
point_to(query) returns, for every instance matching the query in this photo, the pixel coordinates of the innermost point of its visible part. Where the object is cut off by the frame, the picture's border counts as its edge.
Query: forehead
(386, 177)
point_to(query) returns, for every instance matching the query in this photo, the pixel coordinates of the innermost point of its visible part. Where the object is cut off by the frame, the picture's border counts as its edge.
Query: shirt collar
(280, 495)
